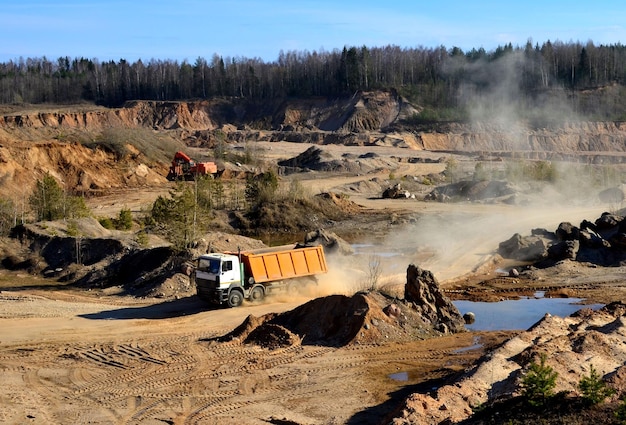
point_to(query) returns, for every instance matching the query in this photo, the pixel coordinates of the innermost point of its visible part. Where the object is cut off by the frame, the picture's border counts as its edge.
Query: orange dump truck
(229, 278)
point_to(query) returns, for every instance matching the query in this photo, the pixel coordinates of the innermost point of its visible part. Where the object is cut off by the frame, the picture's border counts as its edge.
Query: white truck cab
(219, 279)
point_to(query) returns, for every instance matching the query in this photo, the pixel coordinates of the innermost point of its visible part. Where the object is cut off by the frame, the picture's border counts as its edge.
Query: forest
(569, 79)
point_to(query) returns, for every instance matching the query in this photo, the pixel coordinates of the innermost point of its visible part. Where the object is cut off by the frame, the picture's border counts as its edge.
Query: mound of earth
(335, 320)
(329, 240)
(575, 344)
(222, 242)
(318, 159)
(84, 253)
(364, 318)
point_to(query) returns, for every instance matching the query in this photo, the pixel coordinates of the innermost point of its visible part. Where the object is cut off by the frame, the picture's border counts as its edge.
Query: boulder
(473, 190)
(528, 248)
(423, 291)
(330, 241)
(592, 240)
(567, 232)
(608, 221)
(393, 311)
(395, 192)
(612, 194)
(563, 250)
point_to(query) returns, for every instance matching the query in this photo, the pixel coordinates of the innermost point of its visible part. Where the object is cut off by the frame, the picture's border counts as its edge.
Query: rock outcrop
(424, 292)
(64, 141)
(602, 242)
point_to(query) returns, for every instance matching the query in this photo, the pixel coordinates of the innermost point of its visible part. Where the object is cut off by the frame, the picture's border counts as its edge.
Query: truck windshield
(209, 265)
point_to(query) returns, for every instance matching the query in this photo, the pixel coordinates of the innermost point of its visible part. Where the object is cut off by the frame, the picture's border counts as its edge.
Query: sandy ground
(74, 359)
(85, 357)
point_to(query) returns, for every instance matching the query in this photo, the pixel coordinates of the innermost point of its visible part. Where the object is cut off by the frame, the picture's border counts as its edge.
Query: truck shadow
(165, 310)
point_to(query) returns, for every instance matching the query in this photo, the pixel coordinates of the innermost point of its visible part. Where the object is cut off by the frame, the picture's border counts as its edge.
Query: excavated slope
(370, 117)
(38, 140)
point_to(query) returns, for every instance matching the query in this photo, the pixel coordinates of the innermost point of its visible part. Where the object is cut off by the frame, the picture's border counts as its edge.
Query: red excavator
(185, 168)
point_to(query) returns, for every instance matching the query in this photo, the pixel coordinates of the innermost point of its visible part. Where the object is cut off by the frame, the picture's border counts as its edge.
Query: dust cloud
(456, 243)
(495, 93)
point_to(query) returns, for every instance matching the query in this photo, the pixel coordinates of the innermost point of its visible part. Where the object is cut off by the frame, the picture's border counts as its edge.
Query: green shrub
(8, 216)
(452, 171)
(47, 199)
(106, 222)
(124, 220)
(261, 188)
(178, 218)
(620, 412)
(72, 228)
(142, 238)
(539, 382)
(75, 207)
(594, 389)
(480, 173)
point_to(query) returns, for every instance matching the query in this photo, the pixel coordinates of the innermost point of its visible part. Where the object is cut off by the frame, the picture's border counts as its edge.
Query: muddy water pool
(518, 314)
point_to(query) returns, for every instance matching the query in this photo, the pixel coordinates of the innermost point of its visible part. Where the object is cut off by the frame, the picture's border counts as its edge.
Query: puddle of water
(400, 376)
(475, 346)
(510, 315)
(466, 349)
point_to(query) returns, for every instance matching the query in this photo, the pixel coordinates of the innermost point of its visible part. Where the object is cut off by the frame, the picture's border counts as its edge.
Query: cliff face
(376, 117)
(362, 112)
(572, 137)
(62, 140)
(158, 115)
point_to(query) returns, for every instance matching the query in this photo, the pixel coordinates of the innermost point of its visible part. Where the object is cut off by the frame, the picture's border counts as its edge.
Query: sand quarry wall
(317, 120)
(34, 141)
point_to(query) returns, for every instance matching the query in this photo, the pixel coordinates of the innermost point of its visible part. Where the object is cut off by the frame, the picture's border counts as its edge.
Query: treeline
(439, 78)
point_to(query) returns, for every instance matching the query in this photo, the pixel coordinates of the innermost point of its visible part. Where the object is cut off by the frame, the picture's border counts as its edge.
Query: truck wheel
(257, 294)
(235, 298)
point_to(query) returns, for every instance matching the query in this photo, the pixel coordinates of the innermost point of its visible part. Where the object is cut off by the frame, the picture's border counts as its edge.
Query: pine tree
(539, 382)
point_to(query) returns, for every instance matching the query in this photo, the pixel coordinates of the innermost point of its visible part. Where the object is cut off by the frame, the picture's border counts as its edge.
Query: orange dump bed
(206, 168)
(267, 266)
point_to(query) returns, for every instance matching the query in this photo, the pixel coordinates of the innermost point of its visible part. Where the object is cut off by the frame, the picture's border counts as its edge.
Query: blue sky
(188, 29)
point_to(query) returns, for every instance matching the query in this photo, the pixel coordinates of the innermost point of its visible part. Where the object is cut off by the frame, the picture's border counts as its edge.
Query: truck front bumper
(214, 296)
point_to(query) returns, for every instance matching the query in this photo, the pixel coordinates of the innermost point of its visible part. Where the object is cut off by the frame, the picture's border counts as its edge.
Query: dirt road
(70, 358)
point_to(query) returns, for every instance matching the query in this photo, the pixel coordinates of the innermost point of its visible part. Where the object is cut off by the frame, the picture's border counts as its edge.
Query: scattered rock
(602, 242)
(473, 190)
